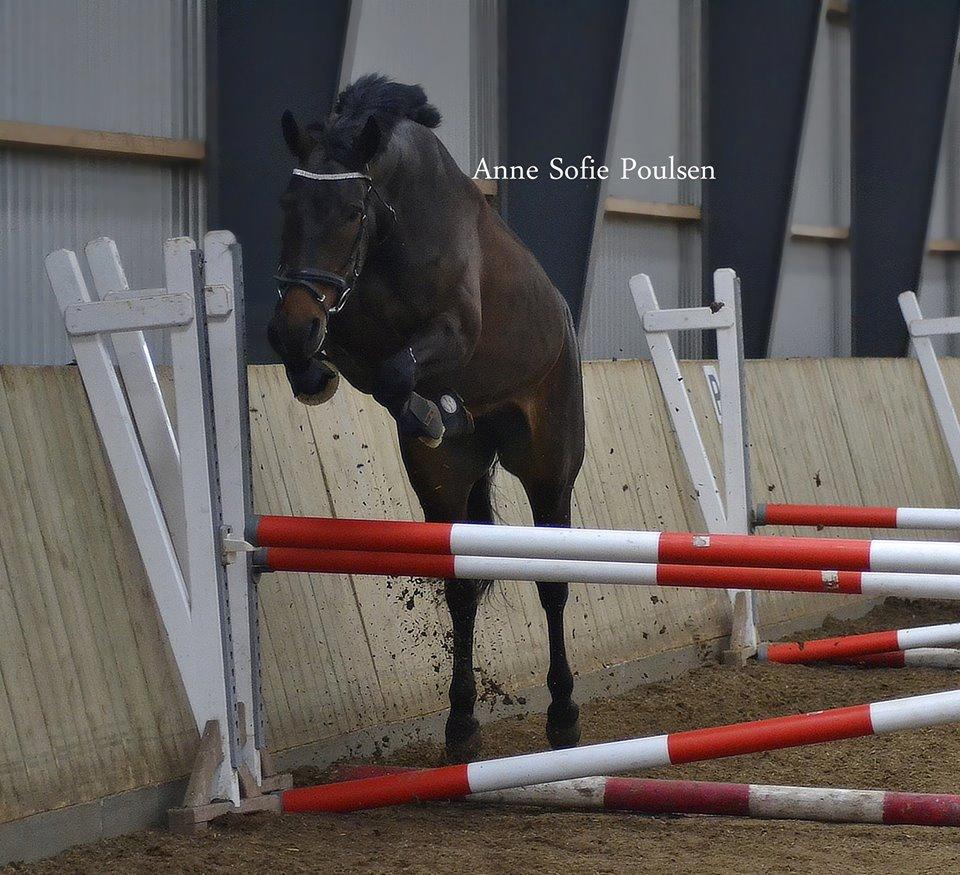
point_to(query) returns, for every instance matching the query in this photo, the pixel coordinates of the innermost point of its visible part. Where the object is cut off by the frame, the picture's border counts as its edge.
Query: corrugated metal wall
(659, 111)
(134, 66)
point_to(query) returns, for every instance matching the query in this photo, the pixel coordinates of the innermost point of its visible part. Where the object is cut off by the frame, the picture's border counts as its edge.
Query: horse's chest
(362, 338)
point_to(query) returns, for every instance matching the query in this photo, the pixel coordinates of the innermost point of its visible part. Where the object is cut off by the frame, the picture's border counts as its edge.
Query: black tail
(480, 510)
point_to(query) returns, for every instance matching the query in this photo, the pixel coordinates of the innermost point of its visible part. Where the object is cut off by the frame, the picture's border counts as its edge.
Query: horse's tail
(480, 507)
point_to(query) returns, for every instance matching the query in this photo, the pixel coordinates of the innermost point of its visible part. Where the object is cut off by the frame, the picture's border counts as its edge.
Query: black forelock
(379, 96)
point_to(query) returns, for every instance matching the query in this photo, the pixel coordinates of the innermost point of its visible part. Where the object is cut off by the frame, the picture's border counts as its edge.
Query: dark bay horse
(396, 273)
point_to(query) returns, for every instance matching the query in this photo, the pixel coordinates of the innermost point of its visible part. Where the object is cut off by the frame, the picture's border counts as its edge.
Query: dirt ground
(441, 838)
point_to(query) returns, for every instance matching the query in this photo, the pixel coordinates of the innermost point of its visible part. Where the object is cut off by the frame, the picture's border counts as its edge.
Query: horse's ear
(367, 143)
(298, 142)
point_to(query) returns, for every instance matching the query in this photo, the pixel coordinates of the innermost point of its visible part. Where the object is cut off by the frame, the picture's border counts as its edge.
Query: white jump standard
(187, 494)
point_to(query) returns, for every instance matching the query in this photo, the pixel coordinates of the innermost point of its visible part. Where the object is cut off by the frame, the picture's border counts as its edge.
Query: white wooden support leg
(921, 330)
(744, 638)
(678, 404)
(721, 514)
(225, 329)
(212, 656)
(201, 673)
(157, 436)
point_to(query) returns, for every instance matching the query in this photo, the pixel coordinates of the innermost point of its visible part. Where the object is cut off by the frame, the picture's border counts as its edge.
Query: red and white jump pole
(847, 516)
(922, 657)
(760, 801)
(532, 542)
(820, 649)
(877, 583)
(453, 782)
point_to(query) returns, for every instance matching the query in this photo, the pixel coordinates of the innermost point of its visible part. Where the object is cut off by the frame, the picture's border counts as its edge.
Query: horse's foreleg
(551, 507)
(462, 732)
(453, 483)
(563, 715)
(442, 345)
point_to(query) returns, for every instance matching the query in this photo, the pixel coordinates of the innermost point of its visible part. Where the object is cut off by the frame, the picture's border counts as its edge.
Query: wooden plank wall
(89, 701)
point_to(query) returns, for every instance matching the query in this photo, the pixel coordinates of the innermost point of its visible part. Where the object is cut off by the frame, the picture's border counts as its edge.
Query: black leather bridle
(343, 283)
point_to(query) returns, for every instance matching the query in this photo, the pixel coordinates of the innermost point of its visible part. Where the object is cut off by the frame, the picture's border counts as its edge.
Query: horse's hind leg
(543, 447)
(549, 489)
(453, 484)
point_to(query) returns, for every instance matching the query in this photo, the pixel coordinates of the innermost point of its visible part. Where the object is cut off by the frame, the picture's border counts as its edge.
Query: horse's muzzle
(296, 340)
(315, 382)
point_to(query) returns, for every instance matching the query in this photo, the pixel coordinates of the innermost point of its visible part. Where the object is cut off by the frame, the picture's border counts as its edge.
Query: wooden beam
(838, 10)
(819, 232)
(653, 209)
(691, 213)
(79, 141)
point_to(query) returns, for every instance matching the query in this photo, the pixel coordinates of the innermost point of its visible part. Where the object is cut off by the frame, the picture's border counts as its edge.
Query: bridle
(314, 280)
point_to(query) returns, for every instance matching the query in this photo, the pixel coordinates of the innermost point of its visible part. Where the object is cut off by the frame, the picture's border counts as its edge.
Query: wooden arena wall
(89, 701)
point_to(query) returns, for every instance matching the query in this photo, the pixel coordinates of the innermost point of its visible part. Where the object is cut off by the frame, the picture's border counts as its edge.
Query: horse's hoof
(420, 418)
(563, 725)
(315, 384)
(463, 739)
(457, 420)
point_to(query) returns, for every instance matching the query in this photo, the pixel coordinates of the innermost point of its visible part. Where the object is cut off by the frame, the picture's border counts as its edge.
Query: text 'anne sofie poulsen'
(588, 168)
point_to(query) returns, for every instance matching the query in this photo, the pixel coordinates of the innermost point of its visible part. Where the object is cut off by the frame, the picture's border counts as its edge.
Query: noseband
(314, 280)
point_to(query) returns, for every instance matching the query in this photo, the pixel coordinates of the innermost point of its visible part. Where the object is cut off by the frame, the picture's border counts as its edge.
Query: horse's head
(329, 221)
(333, 216)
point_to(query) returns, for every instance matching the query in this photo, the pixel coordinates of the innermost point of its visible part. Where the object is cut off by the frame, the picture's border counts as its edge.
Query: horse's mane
(379, 96)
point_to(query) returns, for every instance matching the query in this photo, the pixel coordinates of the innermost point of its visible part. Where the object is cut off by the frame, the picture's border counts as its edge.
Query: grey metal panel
(265, 58)
(625, 247)
(814, 193)
(903, 60)
(753, 121)
(806, 313)
(484, 81)
(936, 298)
(945, 212)
(427, 42)
(116, 65)
(49, 201)
(647, 127)
(559, 110)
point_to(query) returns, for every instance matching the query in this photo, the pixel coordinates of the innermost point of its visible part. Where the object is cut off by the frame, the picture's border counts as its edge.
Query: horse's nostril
(314, 339)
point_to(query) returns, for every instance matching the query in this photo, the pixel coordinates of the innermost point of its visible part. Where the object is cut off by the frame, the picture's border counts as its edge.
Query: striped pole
(944, 635)
(922, 657)
(535, 542)
(456, 781)
(877, 583)
(760, 801)
(847, 516)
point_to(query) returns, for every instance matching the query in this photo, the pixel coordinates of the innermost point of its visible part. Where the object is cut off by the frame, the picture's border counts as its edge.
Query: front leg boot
(419, 417)
(457, 419)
